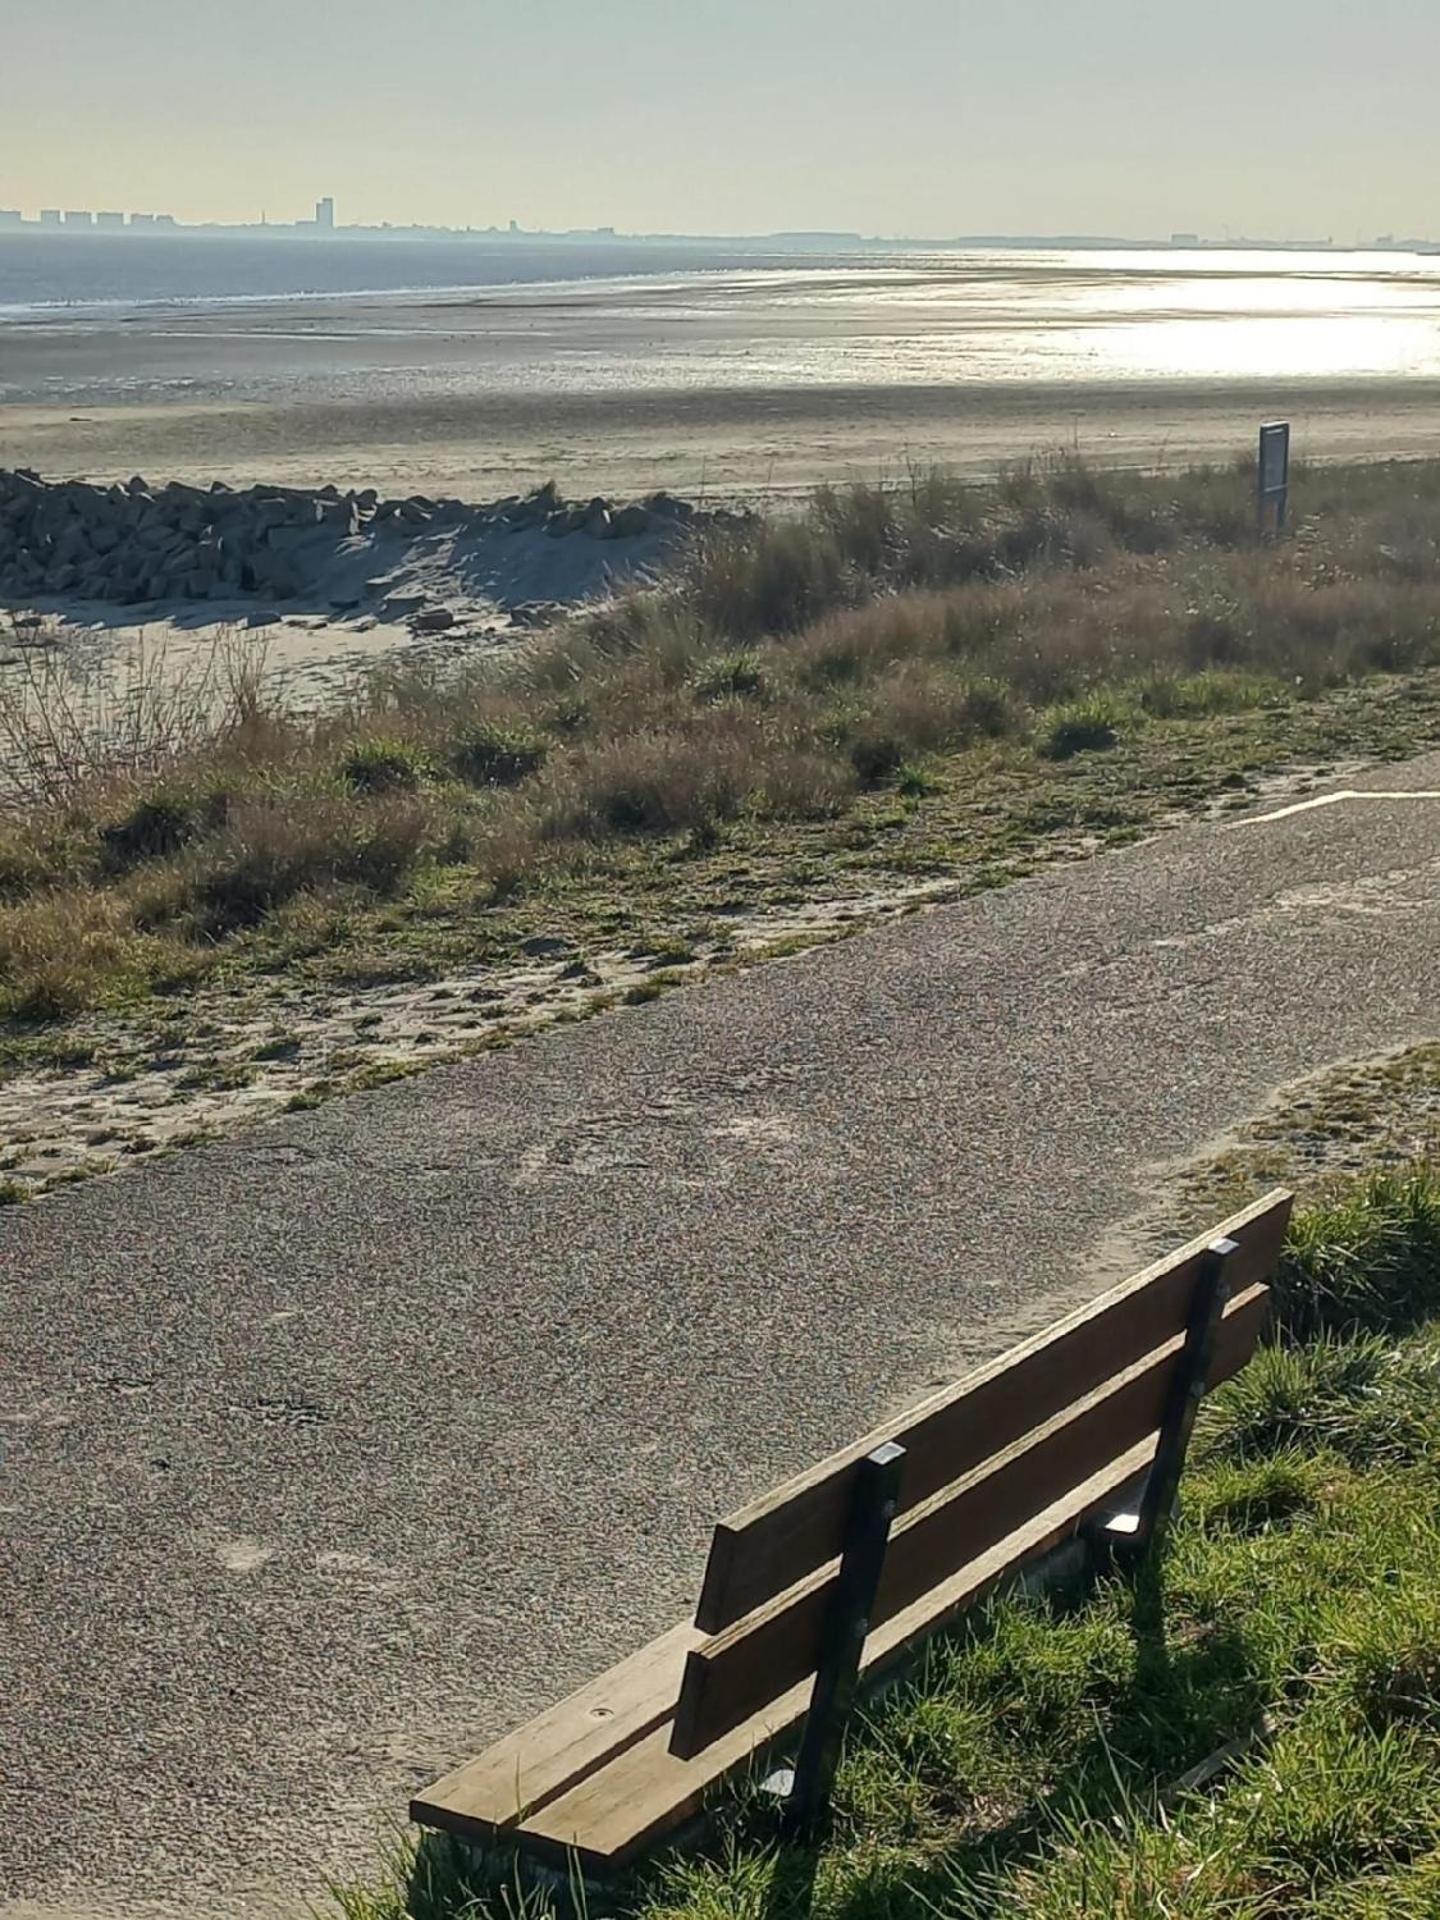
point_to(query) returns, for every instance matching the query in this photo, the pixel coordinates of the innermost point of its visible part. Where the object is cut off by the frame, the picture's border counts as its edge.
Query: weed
(495, 754)
(1081, 726)
(1366, 1259)
(732, 676)
(382, 766)
(160, 822)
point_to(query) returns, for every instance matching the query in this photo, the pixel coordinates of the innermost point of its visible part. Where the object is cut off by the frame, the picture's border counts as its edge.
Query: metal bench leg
(1131, 1536)
(837, 1674)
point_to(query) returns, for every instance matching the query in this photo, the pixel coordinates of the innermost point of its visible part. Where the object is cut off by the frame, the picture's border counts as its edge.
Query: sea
(102, 319)
(48, 274)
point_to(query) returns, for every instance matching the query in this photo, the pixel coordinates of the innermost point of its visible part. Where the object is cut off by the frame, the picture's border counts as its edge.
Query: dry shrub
(510, 848)
(68, 722)
(657, 782)
(276, 846)
(27, 857)
(59, 950)
(773, 579)
(799, 783)
(864, 522)
(151, 820)
(853, 647)
(928, 708)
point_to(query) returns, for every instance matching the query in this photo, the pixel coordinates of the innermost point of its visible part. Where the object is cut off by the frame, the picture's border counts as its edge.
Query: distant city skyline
(1115, 117)
(324, 223)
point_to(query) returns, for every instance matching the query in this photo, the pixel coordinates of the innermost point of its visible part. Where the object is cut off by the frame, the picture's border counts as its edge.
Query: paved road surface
(333, 1450)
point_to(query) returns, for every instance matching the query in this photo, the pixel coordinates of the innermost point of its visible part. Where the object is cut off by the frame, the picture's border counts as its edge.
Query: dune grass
(846, 682)
(1050, 1760)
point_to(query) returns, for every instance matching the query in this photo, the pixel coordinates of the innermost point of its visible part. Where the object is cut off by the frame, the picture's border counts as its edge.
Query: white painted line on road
(1332, 800)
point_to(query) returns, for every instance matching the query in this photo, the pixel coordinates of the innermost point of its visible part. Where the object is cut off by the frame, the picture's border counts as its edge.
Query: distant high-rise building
(79, 217)
(10, 217)
(325, 215)
(110, 221)
(141, 221)
(49, 216)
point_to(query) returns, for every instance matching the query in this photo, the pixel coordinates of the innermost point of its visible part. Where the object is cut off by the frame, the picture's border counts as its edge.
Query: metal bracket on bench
(837, 1674)
(1130, 1535)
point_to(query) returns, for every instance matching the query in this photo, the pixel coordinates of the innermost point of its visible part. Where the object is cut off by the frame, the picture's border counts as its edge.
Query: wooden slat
(606, 1821)
(778, 1540)
(562, 1746)
(730, 1678)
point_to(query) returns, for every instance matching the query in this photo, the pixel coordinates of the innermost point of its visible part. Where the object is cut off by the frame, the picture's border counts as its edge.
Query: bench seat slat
(769, 1545)
(608, 1819)
(563, 1745)
(731, 1677)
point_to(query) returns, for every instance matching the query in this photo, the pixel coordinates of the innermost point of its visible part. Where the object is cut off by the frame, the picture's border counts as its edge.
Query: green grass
(1082, 726)
(1034, 1764)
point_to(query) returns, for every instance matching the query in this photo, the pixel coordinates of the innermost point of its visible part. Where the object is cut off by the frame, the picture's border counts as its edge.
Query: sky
(1284, 118)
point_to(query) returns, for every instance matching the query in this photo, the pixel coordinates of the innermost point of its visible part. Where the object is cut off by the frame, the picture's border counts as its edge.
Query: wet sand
(711, 443)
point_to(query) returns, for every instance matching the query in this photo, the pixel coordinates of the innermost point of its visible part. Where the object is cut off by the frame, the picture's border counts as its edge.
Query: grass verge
(1256, 1736)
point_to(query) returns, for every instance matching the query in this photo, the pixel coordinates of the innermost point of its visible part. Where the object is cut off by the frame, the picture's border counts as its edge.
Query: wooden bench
(839, 1572)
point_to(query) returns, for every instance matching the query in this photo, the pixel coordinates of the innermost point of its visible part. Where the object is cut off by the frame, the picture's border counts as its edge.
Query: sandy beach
(717, 444)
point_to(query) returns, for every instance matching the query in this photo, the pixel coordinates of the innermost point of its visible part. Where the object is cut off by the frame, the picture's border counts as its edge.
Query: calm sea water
(99, 320)
(39, 271)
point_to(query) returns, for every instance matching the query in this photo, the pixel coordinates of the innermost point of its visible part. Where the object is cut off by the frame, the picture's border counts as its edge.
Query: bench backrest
(982, 1458)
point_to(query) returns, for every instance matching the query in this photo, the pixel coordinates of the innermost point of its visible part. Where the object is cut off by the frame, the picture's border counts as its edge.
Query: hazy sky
(933, 117)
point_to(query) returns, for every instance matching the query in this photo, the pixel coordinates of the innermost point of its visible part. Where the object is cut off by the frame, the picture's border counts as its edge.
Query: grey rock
(399, 606)
(432, 620)
(533, 613)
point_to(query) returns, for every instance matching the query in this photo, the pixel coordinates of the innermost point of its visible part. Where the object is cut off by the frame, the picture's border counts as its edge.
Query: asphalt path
(334, 1450)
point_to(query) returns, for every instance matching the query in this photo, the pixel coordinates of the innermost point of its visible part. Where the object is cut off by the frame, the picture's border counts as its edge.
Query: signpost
(1272, 476)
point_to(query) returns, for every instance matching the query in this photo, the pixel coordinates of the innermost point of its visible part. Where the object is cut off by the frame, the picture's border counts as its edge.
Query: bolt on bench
(838, 1573)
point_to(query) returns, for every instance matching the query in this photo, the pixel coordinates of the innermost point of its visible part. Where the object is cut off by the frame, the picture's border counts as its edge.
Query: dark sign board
(1272, 473)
